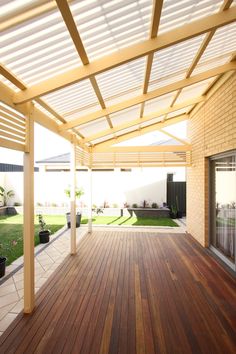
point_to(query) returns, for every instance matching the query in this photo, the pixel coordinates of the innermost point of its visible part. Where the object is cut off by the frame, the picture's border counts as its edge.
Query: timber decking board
(127, 293)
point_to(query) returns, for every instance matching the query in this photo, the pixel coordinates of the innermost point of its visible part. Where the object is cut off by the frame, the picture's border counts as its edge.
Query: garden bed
(150, 212)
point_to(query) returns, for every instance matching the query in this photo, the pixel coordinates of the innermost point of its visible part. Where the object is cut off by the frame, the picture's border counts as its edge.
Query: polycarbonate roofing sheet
(158, 103)
(38, 49)
(92, 127)
(152, 121)
(41, 47)
(107, 26)
(204, 67)
(195, 90)
(223, 42)
(173, 62)
(177, 13)
(121, 79)
(178, 112)
(73, 98)
(125, 115)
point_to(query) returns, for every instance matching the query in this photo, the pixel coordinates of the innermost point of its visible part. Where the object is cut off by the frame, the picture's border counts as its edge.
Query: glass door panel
(223, 206)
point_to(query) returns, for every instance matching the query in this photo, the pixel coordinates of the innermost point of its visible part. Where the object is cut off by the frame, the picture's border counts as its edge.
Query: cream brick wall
(212, 130)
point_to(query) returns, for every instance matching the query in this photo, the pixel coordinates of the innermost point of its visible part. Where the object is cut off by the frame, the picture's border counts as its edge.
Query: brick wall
(212, 130)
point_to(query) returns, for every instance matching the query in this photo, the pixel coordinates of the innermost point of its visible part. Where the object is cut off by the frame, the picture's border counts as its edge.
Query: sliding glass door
(223, 207)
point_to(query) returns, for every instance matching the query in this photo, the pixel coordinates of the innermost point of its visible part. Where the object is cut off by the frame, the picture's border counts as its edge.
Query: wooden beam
(133, 149)
(125, 55)
(100, 98)
(74, 33)
(73, 197)
(18, 83)
(156, 15)
(150, 95)
(148, 118)
(140, 131)
(9, 144)
(41, 118)
(225, 6)
(211, 91)
(182, 141)
(27, 13)
(67, 16)
(28, 229)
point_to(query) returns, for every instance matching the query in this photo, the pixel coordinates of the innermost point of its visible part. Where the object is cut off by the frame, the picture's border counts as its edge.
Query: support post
(28, 233)
(90, 213)
(72, 197)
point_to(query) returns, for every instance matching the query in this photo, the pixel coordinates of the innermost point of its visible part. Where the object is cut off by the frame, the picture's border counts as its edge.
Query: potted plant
(173, 212)
(43, 233)
(2, 262)
(78, 193)
(179, 212)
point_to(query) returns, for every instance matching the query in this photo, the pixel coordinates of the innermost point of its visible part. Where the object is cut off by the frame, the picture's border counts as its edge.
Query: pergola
(100, 72)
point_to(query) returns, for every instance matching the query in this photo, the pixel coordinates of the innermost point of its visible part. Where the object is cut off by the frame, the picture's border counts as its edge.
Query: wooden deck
(127, 292)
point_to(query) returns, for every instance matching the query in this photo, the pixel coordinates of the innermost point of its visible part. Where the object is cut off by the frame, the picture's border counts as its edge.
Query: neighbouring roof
(63, 158)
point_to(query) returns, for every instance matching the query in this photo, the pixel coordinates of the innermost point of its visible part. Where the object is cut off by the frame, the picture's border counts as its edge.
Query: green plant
(154, 205)
(174, 211)
(78, 192)
(98, 211)
(42, 223)
(17, 204)
(134, 205)
(6, 195)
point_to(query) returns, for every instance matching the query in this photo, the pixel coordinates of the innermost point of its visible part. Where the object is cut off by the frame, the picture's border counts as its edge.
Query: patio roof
(100, 72)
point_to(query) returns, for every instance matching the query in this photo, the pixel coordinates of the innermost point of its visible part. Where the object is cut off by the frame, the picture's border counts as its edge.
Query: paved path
(47, 259)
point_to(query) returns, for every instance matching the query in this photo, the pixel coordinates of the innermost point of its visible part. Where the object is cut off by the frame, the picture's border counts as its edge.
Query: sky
(48, 144)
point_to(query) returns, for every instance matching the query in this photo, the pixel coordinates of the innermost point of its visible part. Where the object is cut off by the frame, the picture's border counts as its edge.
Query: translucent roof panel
(71, 100)
(39, 48)
(122, 79)
(222, 43)
(158, 103)
(171, 64)
(152, 121)
(203, 67)
(92, 127)
(146, 139)
(13, 7)
(107, 26)
(192, 91)
(179, 112)
(126, 115)
(177, 13)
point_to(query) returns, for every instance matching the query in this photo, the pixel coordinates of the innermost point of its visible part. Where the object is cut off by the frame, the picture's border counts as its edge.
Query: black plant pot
(179, 214)
(78, 219)
(2, 266)
(173, 215)
(44, 236)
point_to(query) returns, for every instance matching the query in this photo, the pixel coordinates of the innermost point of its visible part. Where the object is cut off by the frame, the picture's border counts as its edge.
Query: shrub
(135, 205)
(154, 205)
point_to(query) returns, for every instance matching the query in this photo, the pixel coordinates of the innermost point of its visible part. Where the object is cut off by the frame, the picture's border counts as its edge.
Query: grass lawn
(11, 233)
(128, 220)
